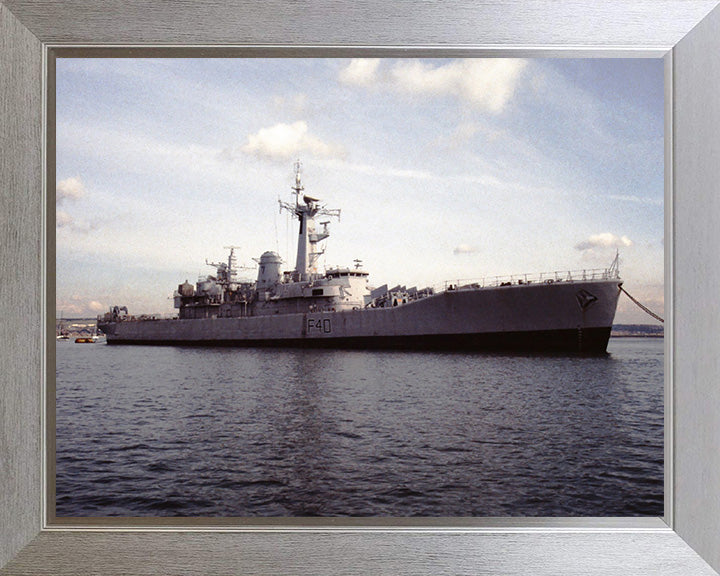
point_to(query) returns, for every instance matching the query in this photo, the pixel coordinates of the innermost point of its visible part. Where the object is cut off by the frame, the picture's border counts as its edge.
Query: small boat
(85, 339)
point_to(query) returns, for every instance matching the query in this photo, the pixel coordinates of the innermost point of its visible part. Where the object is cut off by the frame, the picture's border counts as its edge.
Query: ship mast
(308, 237)
(227, 272)
(232, 263)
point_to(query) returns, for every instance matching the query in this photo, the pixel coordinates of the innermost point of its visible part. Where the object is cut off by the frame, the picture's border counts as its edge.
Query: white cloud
(63, 219)
(69, 189)
(68, 222)
(464, 249)
(77, 305)
(604, 240)
(485, 83)
(488, 84)
(286, 141)
(360, 72)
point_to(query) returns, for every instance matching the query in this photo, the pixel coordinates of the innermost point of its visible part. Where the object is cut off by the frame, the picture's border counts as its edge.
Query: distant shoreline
(637, 331)
(623, 335)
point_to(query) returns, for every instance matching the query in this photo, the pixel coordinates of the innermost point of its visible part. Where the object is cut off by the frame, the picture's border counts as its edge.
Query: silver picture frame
(686, 33)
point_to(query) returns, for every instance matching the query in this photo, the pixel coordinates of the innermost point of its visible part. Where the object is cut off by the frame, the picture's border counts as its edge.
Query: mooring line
(644, 308)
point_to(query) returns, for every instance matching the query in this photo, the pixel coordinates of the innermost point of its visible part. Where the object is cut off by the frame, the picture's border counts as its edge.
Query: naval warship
(335, 308)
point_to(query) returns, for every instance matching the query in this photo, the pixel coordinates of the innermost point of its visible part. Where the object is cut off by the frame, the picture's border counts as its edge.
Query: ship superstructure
(336, 307)
(275, 291)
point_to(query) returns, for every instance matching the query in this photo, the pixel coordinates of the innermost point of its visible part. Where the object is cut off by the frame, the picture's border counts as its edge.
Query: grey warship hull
(305, 307)
(569, 316)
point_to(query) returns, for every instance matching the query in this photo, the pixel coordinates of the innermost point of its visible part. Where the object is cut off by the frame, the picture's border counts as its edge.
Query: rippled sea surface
(171, 431)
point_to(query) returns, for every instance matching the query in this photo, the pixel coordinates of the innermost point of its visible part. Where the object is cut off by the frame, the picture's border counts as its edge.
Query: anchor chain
(644, 308)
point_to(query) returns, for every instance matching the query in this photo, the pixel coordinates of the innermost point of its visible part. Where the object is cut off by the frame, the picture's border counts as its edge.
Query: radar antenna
(298, 184)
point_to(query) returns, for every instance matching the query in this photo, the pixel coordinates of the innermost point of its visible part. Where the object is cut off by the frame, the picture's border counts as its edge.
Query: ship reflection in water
(177, 431)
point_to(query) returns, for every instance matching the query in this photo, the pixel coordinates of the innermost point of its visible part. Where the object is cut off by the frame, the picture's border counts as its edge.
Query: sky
(443, 170)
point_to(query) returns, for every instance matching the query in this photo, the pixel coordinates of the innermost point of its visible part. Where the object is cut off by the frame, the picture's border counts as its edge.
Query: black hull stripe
(588, 340)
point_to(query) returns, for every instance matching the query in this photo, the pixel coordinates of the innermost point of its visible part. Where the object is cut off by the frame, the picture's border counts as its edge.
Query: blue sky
(443, 170)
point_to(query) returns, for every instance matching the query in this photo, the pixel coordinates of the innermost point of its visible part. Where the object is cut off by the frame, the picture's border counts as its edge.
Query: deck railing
(536, 278)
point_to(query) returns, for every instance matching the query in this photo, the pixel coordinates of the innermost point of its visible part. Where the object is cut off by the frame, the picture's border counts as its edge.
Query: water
(164, 431)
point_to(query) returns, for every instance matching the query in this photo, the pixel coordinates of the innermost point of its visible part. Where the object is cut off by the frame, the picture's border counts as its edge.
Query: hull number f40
(319, 326)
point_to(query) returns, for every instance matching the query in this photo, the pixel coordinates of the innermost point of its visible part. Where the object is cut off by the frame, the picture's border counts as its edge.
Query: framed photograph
(618, 545)
(403, 366)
